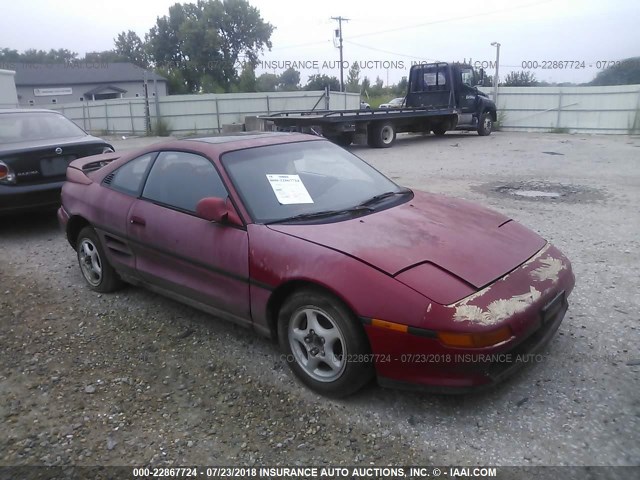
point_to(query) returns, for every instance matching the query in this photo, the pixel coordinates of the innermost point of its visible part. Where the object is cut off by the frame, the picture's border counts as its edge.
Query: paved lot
(134, 378)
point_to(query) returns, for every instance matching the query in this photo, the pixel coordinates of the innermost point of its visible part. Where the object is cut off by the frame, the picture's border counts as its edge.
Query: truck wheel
(343, 139)
(381, 135)
(485, 125)
(439, 130)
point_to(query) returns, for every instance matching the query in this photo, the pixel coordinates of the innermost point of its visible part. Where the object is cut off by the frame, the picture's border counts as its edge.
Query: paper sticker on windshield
(289, 189)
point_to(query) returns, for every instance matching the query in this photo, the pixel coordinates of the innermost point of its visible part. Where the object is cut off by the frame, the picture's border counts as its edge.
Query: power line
(389, 52)
(445, 20)
(410, 56)
(304, 44)
(452, 19)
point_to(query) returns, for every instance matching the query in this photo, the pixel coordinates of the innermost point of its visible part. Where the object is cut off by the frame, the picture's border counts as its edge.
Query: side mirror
(216, 209)
(480, 82)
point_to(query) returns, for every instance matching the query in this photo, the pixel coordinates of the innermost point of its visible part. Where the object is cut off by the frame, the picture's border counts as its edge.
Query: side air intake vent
(108, 179)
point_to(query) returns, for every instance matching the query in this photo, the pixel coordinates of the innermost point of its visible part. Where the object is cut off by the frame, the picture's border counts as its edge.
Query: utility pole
(496, 78)
(147, 113)
(339, 35)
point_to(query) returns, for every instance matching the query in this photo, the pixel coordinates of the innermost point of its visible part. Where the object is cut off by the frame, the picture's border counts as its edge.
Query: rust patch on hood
(501, 309)
(498, 310)
(550, 269)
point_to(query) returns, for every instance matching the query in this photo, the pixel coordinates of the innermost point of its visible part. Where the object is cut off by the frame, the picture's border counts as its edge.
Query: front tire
(485, 126)
(95, 268)
(325, 346)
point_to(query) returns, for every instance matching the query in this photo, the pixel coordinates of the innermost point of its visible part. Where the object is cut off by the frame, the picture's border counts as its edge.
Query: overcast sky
(399, 32)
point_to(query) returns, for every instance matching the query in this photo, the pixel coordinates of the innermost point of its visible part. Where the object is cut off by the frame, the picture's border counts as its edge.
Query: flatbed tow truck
(440, 97)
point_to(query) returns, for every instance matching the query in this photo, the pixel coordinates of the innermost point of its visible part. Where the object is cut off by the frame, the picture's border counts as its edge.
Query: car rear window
(26, 126)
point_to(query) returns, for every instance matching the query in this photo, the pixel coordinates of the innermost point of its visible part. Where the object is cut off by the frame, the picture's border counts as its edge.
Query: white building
(8, 93)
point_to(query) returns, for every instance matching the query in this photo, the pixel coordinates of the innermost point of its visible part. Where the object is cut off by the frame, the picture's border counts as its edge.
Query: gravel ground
(133, 378)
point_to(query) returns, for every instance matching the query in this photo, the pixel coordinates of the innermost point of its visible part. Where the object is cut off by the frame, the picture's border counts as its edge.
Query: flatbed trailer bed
(440, 97)
(379, 125)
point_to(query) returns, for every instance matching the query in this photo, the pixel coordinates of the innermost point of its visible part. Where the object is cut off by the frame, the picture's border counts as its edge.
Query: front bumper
(486, 370)
(26, 198)
(419, 360)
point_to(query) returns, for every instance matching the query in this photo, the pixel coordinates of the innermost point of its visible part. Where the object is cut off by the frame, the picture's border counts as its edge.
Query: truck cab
(452, 85)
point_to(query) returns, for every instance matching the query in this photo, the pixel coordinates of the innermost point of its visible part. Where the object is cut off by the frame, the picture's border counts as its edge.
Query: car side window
(129, 177)
(180, 180)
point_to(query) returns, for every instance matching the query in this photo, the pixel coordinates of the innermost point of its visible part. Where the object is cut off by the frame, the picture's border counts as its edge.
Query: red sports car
(301, 240)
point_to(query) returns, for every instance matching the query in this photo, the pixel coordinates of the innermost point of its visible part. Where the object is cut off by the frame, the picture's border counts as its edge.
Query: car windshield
(396, 101)
(307, 180)
(26, 126)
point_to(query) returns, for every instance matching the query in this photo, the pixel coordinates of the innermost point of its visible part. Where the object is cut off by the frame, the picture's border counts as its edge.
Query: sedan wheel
(94, 265)
(325, 346)
(317, 344)
(90, 262)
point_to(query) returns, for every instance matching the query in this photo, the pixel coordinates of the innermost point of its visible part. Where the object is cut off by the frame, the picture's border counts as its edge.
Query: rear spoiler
(78, 169)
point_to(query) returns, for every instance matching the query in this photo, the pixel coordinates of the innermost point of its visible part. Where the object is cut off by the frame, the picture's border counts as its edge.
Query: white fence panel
(196, 114)
(612, 109)
(575, 109)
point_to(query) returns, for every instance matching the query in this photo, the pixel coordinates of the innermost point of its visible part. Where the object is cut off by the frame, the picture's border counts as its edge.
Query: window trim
(230, 191)
(137, 194)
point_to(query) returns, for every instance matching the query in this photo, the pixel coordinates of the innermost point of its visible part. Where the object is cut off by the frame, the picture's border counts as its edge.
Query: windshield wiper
(321, 214)
(381, 196)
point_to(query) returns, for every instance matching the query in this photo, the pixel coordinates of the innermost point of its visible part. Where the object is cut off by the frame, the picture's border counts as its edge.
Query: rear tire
(381, 135)
(325, 345)
(485, 125)
(439, 130)
(96, 270)
(343, 139)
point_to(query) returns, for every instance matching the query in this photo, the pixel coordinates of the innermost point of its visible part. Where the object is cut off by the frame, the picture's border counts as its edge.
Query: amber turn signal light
(397, 327)
(475, 340)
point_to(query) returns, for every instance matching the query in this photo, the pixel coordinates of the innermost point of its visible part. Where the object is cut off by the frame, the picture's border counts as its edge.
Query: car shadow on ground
(186, 320)
(29, 224)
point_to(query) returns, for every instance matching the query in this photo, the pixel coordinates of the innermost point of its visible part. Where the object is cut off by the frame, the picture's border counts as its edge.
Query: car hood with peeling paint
(429, 234)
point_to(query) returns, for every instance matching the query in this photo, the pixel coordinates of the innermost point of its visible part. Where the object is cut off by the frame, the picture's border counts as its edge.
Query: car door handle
(135, 220)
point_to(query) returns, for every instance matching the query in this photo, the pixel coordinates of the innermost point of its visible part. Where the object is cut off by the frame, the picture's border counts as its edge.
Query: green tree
(400, 88)
(61, 55)
(353, 78)
(106, 56)
(626, 72)
(207, 40)
(9, 56)
(130, 47)
(366, 85)
(378, 89)
(319, 82)
(247, 81)
(289, 80)
(267, 82)
(520, 79)
(176, 83)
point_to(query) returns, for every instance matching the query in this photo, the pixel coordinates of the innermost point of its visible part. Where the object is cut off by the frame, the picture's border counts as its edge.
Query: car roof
(27, 110)
(237, 136)
(218, 145)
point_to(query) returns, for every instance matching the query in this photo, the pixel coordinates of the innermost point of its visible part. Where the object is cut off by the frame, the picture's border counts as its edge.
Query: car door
(111, 211)
(184, 255)
(467, 96)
